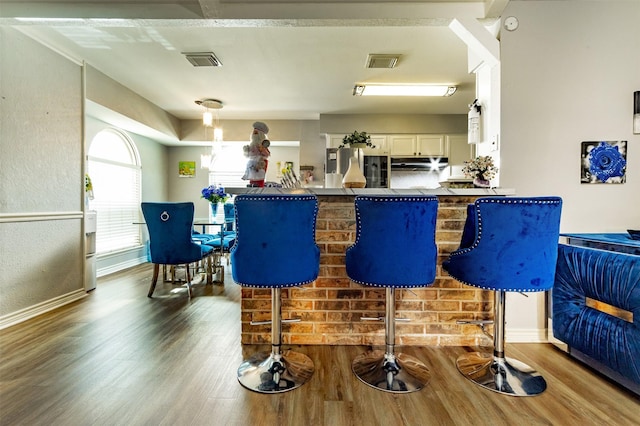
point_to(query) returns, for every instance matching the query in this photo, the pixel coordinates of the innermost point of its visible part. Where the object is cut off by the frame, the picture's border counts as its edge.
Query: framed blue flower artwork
(603, 162)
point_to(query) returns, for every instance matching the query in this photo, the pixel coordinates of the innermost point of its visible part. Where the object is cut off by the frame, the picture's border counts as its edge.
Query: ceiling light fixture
(377, 89)
(208, 115)
(211, 119)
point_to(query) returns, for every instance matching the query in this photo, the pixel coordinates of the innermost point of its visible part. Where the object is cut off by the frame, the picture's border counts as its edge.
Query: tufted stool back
(395, 241)
(508, 243)
(275, 240)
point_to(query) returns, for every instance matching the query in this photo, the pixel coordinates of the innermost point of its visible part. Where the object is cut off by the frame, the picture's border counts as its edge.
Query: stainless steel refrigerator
(374, 167)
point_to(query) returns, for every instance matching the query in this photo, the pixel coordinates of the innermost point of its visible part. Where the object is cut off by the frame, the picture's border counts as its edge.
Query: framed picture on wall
(603, 162)
(187, 169)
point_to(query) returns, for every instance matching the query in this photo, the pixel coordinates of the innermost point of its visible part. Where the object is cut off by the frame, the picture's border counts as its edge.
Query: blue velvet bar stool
(275, 247)
(402, 229)
(508, 244)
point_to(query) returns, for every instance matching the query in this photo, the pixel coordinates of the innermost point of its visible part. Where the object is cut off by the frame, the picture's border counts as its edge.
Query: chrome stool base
(398, 373)
(503, 375)
(275, 373)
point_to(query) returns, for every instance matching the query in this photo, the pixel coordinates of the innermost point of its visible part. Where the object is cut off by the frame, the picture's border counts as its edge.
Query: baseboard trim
(527, 336)
(101, 272)
(39, 309)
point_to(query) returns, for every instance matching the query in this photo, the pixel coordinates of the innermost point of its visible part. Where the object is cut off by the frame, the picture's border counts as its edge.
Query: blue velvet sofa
(596, 310)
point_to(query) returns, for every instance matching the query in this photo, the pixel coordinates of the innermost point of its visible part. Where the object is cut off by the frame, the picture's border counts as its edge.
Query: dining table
(203, 223)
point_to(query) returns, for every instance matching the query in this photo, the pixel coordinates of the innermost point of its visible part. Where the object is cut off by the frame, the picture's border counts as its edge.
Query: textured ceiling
(274, 68)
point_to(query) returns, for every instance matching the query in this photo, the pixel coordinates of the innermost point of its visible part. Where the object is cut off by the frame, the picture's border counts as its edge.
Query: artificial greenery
(356, 138)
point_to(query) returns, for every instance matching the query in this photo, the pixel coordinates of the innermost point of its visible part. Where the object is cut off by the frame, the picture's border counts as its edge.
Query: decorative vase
(479, 182)
(357, 145)
(217, 209)
(354, 178)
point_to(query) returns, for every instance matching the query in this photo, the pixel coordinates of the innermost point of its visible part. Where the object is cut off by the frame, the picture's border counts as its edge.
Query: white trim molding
(40, 216)
(533, 335)
(39, 309)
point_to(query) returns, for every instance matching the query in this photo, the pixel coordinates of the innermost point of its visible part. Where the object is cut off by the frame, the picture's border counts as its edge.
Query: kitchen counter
(330, 308)
(476, 192)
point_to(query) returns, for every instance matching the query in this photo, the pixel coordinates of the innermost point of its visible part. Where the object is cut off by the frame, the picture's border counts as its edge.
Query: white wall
(41, 178)
(568, 75)
(189, 189)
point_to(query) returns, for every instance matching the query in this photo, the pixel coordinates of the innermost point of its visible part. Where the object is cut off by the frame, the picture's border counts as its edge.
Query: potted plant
(481, 169)
(357, 140)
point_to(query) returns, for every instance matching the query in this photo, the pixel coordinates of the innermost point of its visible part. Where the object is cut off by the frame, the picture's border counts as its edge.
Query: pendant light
(210, 118)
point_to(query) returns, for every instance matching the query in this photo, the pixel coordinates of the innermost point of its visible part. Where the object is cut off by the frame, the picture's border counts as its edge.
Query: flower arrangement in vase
(357, 140)
(481, 169)
(215, 195)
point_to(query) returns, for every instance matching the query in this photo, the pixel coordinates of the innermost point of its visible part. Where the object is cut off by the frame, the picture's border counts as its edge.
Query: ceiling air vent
(382, 61)
(202, 59)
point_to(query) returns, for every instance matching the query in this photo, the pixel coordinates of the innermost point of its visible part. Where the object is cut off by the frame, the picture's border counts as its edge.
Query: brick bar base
(330, 308)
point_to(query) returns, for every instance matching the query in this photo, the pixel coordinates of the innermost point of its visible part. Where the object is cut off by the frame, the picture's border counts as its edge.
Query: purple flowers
(214, 194)
(606, 161)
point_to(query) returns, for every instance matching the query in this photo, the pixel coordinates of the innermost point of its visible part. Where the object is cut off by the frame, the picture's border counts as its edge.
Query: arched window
(114, 169)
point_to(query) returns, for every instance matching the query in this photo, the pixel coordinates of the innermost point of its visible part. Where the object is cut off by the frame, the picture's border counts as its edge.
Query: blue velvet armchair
(508, 244)
(170, 226)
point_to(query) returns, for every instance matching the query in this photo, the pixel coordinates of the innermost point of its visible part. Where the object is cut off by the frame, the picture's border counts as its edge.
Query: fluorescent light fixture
(56, 20)
(403, 90)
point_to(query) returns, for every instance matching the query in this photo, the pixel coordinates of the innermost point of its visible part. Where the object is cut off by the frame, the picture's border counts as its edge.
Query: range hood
(419, 164)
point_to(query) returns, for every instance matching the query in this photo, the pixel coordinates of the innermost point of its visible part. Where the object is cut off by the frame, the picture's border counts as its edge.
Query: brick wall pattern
(330, 308)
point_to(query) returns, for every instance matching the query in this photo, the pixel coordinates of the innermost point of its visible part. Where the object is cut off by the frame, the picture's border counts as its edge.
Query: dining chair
(229, 218)
(509, 244)
(275, 247)
(170, 239)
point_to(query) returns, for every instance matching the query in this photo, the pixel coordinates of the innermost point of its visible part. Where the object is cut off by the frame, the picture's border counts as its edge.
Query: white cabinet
(432, 145)
(418, 145)
(334, 141)
(412, 145)
(381, 146)
(459, 149)
(404, 145)
(380, 143)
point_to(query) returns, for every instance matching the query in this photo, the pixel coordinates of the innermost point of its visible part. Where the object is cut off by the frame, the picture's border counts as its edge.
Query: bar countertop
(331, 307)
(465, 192)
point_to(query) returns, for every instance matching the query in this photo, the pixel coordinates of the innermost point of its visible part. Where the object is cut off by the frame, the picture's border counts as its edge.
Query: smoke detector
(382, 61)
(202, 59)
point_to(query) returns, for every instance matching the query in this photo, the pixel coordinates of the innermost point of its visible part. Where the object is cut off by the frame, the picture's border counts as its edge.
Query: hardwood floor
(119, 358)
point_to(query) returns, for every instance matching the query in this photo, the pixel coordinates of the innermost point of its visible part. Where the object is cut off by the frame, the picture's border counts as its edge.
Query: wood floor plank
(118, 357)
